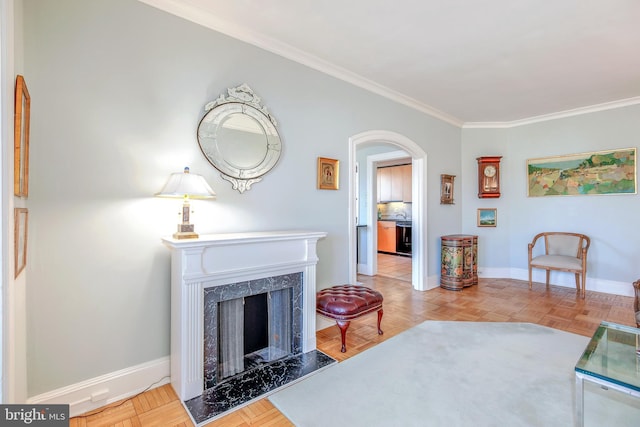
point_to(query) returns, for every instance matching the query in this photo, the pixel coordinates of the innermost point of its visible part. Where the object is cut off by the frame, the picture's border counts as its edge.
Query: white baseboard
(568, 280)
(323, 322)
(495, 273)
(364, 269)
(558, 278)
(100, 391)
(433, 282)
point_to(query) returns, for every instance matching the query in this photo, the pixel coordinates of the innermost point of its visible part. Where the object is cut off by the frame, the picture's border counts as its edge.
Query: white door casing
(419, 208)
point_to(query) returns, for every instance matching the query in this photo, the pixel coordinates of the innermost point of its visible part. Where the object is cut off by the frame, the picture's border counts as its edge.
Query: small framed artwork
(21, 139)
(487, 217)
(446, 189)
(20, 218)
(328, 173)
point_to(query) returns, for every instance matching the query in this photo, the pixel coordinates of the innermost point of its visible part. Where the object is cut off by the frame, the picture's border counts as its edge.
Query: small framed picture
(487, 217)
(446, 189)
(328, 173)
(21, 139)
(20, 218)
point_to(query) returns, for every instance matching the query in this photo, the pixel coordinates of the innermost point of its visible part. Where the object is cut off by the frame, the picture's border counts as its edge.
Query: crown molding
(209, 20)
(553, 116)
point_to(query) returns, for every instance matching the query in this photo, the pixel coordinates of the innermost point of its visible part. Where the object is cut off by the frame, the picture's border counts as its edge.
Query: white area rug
(457, 374)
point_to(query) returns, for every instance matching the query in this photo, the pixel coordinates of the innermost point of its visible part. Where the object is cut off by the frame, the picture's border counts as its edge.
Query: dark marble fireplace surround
(222, 267)
(223, 395)
(212, 298)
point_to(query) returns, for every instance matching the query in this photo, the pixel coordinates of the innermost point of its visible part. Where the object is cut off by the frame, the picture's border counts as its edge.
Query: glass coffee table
(611, 360)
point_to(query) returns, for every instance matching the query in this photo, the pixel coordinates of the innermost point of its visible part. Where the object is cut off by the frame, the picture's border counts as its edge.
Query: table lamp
(186, 186)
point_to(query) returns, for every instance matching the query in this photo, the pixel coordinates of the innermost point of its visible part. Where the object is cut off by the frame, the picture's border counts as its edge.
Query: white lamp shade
(187, 184)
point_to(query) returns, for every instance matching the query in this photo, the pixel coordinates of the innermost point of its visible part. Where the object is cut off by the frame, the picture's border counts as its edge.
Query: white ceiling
(469, 62)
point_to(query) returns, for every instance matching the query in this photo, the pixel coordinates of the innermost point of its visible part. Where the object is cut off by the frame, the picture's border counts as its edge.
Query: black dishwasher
(403, 237)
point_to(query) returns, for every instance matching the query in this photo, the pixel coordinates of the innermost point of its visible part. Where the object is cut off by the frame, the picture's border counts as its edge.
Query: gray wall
(493, 243)
(609, 220)
(117, 90)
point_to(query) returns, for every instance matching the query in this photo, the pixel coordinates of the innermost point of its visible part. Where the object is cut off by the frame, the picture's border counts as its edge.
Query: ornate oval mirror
(239, 137)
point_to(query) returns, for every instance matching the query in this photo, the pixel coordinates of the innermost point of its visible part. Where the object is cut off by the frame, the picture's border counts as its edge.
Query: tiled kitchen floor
(394, 266)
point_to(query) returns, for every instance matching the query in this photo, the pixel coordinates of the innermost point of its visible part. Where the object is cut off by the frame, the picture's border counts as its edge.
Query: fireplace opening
(224, 311)
(254, 330)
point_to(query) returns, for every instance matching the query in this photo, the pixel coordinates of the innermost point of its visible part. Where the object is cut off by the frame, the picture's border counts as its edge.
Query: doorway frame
(371, 267)
(418, 156)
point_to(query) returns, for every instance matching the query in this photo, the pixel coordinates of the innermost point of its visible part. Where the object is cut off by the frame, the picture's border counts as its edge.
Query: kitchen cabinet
(384, 185)
(394, 184)
(406, 183)
(387, 236)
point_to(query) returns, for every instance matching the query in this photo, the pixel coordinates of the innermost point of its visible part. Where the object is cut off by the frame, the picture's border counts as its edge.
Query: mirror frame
(238, 100)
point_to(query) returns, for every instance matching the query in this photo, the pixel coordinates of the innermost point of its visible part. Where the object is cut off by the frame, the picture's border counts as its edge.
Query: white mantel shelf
(231, 238)
(221, 259)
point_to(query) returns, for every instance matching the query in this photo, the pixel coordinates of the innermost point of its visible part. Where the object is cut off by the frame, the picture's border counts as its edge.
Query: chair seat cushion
(345, 302)
(557, 261)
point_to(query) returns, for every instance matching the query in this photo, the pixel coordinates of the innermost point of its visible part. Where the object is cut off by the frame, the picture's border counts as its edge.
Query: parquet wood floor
(492, 300)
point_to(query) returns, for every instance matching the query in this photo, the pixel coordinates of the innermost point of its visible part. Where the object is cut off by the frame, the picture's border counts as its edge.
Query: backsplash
(396, 211)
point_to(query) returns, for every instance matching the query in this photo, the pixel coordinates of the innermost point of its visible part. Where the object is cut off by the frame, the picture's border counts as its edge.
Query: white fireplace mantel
(221, 259)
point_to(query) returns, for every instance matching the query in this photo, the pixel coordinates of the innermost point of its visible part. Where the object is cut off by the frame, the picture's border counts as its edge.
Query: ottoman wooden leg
(343, 325)
(379, 320)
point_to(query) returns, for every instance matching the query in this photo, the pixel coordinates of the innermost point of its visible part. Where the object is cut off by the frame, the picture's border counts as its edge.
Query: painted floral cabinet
(459, 261)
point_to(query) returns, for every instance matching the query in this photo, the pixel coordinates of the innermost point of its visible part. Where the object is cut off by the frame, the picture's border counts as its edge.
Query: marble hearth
(215, 268)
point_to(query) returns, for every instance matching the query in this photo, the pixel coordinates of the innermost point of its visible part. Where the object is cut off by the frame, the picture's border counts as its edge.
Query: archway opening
(419, 236)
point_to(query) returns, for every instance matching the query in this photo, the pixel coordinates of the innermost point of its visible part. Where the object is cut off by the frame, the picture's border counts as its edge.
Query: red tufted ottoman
(347, 302)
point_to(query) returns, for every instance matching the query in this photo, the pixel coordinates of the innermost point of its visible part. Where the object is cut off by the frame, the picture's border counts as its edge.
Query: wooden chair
(562, 252)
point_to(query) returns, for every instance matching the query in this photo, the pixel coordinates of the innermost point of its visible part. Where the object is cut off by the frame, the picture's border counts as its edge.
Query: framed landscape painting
(594, 173)
(487, 217)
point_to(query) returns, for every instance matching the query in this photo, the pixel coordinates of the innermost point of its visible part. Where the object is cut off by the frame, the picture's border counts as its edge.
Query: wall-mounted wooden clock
(489, 176)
